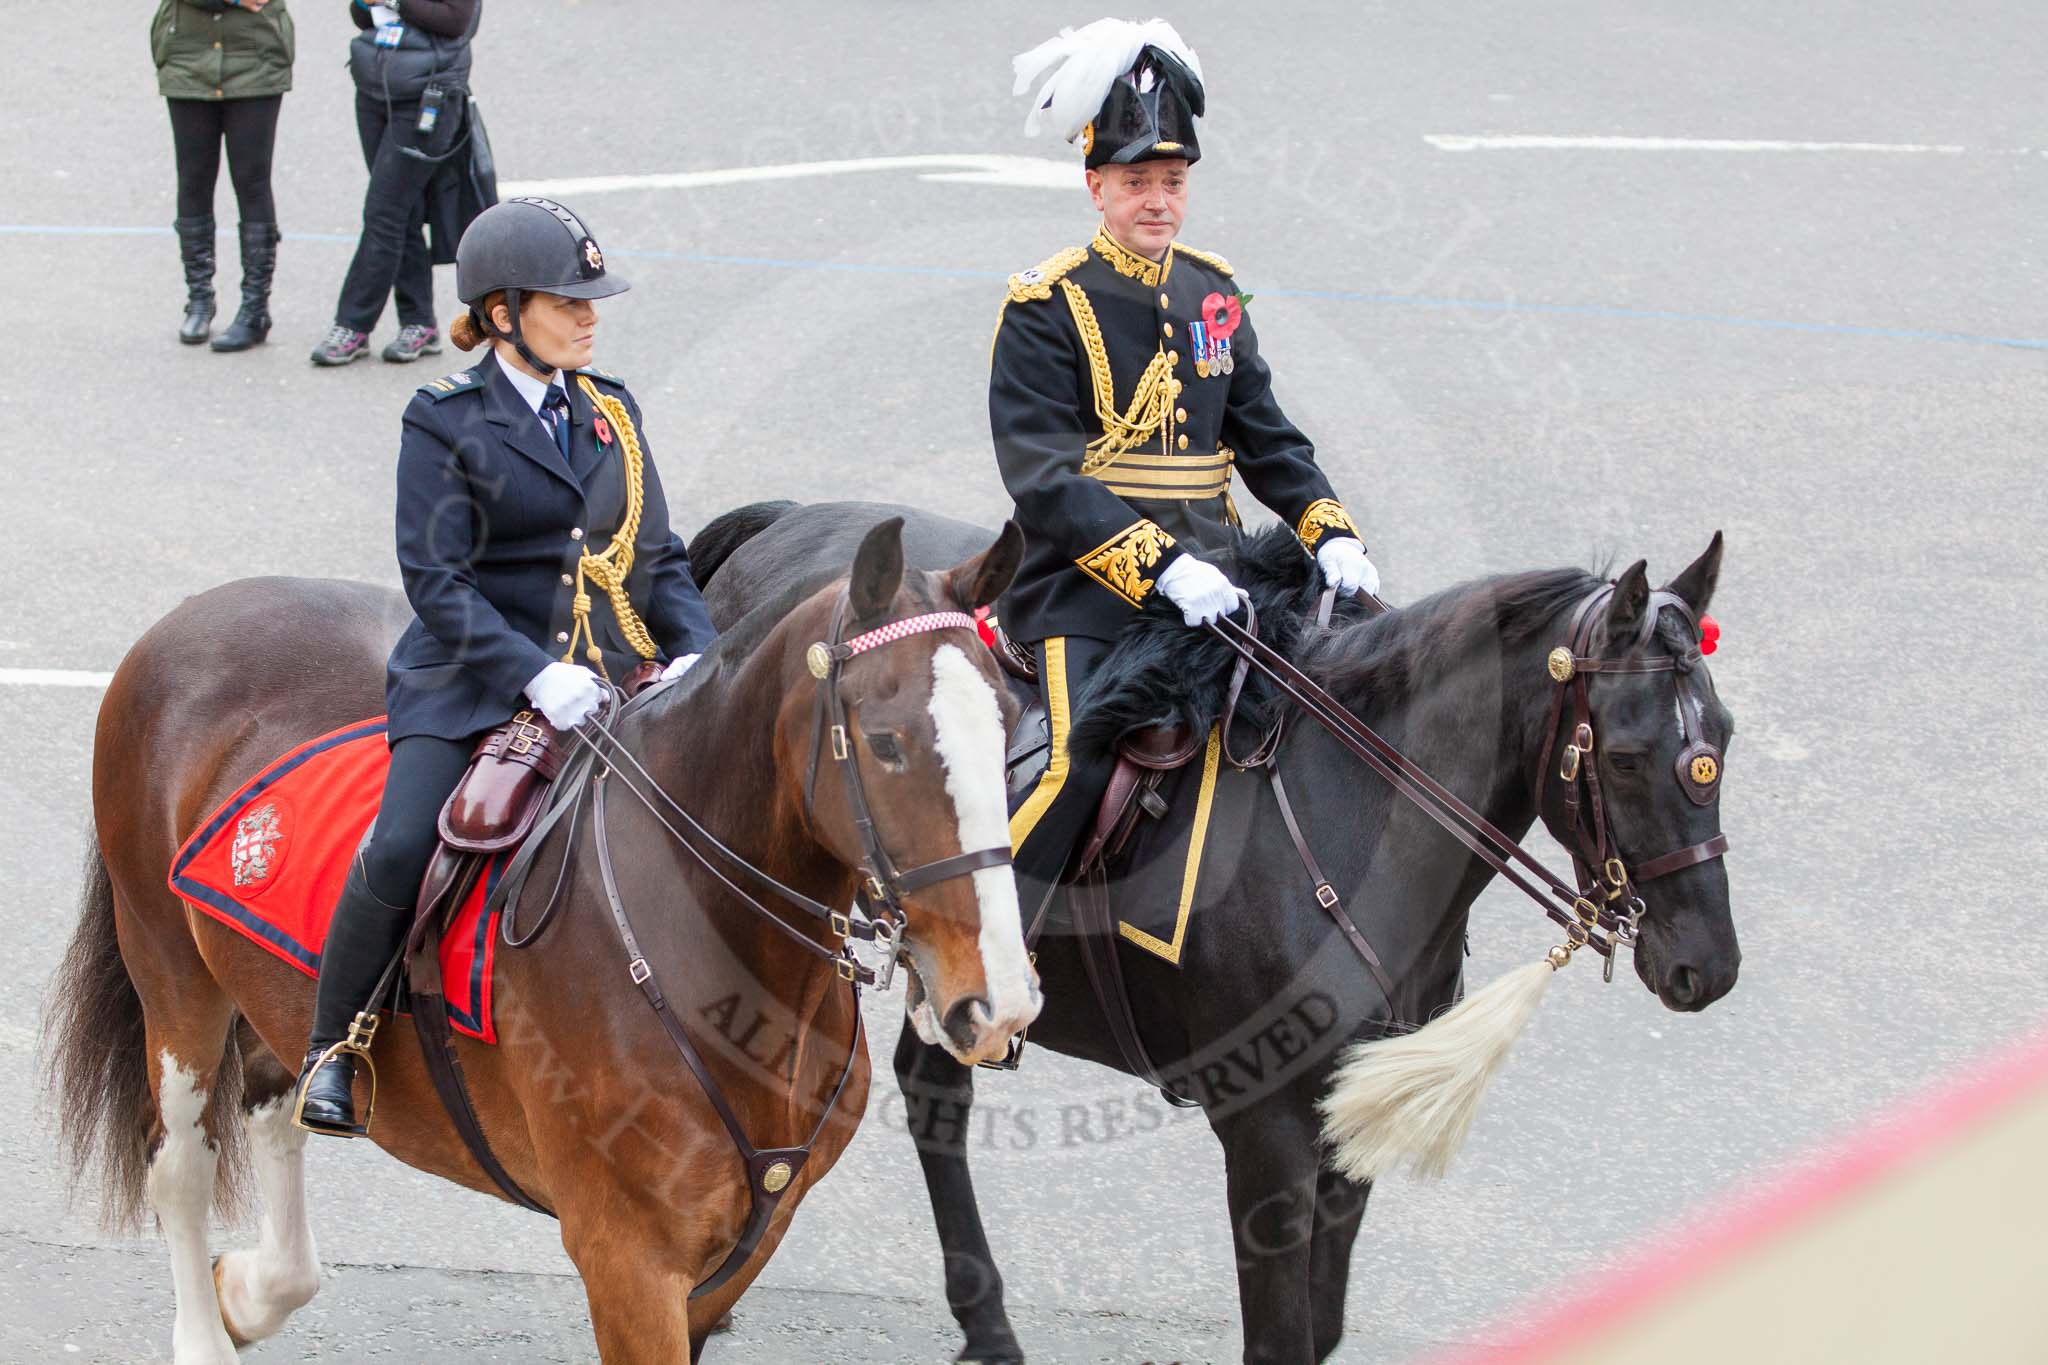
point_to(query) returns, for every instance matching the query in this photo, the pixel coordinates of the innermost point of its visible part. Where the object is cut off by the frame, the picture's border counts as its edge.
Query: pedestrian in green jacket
(224, 66)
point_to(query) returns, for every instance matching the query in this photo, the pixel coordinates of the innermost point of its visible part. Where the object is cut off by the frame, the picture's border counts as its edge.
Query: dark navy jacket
(491, 522)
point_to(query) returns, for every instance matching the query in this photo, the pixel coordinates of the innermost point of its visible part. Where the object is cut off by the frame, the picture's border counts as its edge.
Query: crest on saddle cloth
(259, 836)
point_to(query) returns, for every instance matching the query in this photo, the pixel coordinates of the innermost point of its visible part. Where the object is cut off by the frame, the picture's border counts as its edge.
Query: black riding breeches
(376, 904)
(1046, 827)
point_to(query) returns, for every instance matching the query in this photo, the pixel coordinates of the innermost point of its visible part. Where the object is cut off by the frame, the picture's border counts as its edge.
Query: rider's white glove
(565, 693)
(1346, 568)
(677, 667)
(1199, 589)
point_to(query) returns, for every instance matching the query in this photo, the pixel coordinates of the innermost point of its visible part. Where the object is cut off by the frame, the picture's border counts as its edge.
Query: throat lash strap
(609, 567)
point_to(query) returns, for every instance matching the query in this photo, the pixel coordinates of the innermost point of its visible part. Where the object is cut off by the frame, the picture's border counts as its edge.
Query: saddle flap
(498, 799)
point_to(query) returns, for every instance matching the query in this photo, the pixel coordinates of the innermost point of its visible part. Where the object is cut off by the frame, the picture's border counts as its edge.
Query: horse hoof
(220, 1296)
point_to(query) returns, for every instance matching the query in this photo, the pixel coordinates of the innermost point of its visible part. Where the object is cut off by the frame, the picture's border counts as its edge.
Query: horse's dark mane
(1161, 672)
(1392, 654)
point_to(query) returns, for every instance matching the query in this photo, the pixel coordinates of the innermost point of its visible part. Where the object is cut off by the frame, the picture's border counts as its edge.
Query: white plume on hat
(1084, 63)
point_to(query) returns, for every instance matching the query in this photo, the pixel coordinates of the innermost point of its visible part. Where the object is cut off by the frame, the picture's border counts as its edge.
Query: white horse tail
(1409, 1100)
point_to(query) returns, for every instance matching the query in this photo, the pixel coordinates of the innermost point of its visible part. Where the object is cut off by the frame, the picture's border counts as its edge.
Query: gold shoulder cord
(609, 569)
(1151, 400)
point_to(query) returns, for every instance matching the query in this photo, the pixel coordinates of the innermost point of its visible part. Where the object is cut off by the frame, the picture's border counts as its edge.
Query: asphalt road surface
(1823, 333)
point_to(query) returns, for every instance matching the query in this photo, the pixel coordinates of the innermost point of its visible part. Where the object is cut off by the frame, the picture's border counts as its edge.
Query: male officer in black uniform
(1125, 386)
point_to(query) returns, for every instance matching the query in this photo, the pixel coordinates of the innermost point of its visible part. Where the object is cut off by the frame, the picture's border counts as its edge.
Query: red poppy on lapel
(604, 431)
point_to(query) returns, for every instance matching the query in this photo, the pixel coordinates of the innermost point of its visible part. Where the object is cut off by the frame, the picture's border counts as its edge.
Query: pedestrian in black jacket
(411, 68)
(528, 562)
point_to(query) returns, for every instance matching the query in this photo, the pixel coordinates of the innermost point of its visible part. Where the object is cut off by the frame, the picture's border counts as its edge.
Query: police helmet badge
(592, 257)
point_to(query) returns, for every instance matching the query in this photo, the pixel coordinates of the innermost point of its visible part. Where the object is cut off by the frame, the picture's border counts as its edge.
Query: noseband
(883, 886)
(1595, 857)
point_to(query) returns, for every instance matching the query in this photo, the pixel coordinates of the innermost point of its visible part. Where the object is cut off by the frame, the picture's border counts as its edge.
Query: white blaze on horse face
(968, 726)
(181, 1175)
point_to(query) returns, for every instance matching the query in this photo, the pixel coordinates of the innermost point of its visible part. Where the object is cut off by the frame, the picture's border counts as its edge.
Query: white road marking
(968, 725)
(52, 677)
(959, 168)
(1518, 142)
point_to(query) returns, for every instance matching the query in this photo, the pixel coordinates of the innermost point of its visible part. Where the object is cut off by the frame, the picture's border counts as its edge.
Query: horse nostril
(968, 1018)
(1685, 985)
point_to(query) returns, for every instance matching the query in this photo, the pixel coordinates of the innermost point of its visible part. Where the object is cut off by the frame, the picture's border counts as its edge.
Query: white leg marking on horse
(181, 1191)
(263, 1285)
(969, 727)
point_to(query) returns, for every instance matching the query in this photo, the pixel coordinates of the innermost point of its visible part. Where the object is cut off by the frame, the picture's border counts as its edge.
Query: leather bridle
(1600, 909)
(883, 886)
(1595, 856)
(603, 758)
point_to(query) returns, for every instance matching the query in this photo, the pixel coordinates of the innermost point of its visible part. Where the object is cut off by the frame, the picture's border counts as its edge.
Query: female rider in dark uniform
(512, 484)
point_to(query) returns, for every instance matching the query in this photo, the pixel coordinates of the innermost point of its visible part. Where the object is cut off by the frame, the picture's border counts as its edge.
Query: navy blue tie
(556, 409)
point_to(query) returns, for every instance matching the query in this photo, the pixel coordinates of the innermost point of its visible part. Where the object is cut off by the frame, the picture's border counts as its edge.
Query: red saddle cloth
(271, 861)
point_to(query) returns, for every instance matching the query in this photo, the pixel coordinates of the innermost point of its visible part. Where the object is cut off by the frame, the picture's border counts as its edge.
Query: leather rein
(1601, 908)
(770, 1170)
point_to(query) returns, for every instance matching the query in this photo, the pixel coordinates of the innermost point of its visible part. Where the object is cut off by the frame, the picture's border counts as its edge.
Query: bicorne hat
(1126, 91)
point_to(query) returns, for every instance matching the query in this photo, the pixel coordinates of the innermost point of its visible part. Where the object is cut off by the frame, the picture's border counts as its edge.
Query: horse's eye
(884, 747)
(1625, 760)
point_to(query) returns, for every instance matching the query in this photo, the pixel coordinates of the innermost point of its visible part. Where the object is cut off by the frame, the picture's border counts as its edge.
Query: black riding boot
(361, 941)
(195, 246)
(259, 263)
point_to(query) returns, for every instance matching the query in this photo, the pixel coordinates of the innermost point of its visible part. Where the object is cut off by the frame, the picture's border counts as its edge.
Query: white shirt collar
(534, 391)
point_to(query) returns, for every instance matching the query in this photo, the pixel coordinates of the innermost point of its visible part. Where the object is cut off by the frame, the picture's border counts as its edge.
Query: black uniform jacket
(491, 523)
(1099, 339)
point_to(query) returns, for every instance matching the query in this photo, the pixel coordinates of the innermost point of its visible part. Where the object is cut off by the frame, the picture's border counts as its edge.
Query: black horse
(1268, 992)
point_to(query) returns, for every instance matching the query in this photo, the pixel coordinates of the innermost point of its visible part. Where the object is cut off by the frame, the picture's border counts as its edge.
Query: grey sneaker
(341, 345)
(412, 342)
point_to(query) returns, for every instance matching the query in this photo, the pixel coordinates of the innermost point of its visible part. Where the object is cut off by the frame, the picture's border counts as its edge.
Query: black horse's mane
(1160, 672)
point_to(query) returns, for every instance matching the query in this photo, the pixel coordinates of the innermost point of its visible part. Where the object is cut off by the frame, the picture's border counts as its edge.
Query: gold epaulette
(1037, 282)
(1208, 258)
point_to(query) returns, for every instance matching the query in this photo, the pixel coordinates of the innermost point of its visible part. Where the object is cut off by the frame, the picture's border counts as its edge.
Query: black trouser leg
(372, 916)
(1051, 820)
(393, 208)
(195, 138)
(375, 908)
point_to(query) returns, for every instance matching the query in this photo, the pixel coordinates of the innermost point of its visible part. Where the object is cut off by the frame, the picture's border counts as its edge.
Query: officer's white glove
(677, 667)
(1346, 568)
(566, 694)
(1199, 589)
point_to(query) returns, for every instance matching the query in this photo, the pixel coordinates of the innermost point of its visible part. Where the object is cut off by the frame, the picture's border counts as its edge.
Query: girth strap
(770, 1170)
(1326, 894)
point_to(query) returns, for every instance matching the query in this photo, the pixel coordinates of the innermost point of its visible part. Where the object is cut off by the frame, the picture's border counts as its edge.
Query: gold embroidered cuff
(1121, 562)
(1323, 515)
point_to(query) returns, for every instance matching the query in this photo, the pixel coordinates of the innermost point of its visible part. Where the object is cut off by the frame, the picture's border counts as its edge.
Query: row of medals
(1211, 357)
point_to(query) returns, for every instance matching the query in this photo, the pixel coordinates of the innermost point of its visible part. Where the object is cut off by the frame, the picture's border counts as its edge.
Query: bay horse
(168, 1032)
(1269, 1000)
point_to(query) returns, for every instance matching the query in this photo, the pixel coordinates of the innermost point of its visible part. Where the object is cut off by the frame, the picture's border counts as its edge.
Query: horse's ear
(1695, 587)
(877, 570)
(981, 580)
(1625, 609)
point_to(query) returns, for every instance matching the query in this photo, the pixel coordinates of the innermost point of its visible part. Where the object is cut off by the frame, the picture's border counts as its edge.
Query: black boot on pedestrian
(195, 246)
(259, 263)
(362, 939)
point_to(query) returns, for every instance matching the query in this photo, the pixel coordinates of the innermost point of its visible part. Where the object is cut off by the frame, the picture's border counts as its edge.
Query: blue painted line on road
(1586, 310)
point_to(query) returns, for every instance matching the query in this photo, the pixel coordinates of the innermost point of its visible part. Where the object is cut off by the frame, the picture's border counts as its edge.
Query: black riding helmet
(523, 245)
